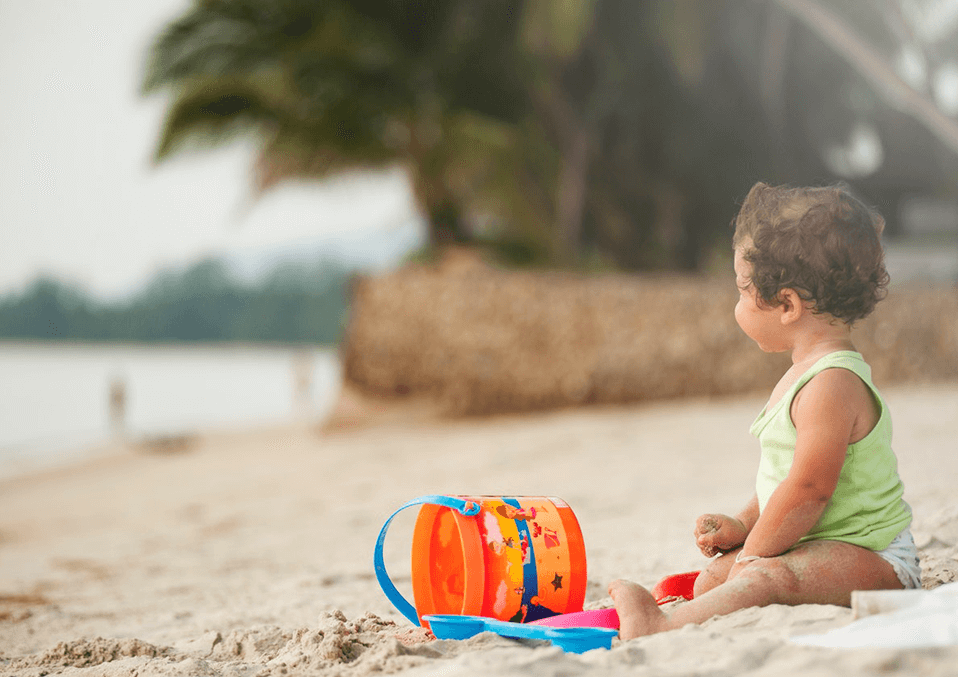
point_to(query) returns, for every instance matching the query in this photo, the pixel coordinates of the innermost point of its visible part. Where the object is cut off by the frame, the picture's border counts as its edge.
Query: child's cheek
(739, 314)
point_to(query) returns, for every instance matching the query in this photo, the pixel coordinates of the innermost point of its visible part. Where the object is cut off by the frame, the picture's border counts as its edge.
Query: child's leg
(820, 572)
(715, 573)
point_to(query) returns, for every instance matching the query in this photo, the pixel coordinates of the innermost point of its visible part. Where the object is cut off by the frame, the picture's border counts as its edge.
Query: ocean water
(55, 399)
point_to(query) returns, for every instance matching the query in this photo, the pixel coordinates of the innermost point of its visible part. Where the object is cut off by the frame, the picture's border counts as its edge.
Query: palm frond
(229, 38)
(297, 152)
(210, 114)
(203, 43)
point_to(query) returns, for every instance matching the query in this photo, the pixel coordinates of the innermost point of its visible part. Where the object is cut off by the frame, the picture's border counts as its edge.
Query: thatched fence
(478, 340)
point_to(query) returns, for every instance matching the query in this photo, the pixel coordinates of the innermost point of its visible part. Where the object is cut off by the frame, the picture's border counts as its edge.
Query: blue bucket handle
(464, 507)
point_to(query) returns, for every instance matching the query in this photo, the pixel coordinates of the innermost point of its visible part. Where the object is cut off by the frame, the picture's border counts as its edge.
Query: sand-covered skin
(251, 554)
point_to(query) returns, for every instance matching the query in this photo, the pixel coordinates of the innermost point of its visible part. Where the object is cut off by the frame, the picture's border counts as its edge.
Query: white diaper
(902, 554)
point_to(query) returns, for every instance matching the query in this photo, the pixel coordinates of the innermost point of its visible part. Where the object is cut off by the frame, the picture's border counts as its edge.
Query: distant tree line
(304, 303)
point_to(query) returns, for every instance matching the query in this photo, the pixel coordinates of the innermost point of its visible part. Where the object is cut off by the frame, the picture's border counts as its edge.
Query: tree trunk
(570, 200)
(871, 65)
(446, 225)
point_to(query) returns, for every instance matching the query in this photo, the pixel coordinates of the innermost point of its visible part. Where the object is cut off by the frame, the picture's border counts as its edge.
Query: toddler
(827, 516)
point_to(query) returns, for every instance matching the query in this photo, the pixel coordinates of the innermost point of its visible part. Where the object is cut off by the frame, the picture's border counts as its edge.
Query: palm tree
(534, 118)
(344, 85)
(622, 128)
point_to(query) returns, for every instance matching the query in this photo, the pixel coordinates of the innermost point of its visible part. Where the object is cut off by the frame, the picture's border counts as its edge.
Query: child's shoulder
(834, 383)
(838, 394)
(840, 368)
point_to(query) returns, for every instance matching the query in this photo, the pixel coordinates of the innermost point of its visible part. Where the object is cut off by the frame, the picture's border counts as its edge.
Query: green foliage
(555, 119)
(436, 86)
(294, 304)
(619, 130)
(328, 86)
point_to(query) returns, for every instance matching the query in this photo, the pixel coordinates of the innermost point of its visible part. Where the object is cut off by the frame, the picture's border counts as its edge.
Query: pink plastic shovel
(668, 589)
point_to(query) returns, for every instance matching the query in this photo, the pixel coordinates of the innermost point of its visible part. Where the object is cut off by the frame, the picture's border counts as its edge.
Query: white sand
(251, 554)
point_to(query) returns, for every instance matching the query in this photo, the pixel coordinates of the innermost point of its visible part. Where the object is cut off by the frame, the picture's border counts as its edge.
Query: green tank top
(867, 507)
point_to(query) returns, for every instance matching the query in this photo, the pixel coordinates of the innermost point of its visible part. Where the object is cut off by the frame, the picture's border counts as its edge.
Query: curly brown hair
(822, 242)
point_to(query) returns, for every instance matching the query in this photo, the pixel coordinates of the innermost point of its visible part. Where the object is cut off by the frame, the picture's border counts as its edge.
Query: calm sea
(55, 399)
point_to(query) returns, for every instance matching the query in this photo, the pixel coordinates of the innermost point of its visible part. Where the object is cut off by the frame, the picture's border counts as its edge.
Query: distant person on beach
(827, 516)
(118, 407)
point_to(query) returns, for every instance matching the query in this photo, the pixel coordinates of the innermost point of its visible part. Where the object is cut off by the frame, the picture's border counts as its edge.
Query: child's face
(759, 322)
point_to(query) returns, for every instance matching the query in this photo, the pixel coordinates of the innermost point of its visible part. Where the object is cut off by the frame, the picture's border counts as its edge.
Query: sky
(80, 199)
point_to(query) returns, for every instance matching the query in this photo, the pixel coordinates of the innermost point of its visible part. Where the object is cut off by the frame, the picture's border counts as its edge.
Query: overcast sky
(79, 199)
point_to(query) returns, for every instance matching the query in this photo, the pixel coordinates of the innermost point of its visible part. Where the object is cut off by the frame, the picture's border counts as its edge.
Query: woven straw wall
(480, 340)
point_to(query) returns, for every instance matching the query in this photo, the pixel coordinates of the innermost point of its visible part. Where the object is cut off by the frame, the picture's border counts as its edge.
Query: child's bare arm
(749, 514)
(824, 418)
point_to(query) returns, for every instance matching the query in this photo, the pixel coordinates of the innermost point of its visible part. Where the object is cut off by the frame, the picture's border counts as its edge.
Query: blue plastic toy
(573, 640)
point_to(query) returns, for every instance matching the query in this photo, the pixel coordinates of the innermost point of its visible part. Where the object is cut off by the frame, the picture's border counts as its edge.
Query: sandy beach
(251, 553)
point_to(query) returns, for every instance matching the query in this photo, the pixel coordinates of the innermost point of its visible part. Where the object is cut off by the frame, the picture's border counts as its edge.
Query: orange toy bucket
(515, 559)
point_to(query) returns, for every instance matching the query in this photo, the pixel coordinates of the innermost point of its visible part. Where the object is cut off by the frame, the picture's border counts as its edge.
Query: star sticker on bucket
(557, 582)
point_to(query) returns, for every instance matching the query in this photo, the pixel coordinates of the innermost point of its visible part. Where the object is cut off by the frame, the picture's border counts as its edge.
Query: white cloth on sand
(930, 621)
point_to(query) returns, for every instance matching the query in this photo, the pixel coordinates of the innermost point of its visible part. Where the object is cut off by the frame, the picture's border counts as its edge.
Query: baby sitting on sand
(827, 516)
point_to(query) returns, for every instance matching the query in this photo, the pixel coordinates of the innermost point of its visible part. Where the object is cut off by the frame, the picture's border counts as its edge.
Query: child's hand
(719, 533)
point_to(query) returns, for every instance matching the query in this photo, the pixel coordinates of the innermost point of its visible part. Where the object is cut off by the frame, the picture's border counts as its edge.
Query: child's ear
(791, 306)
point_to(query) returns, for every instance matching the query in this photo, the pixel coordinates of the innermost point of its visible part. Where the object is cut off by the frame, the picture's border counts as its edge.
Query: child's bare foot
(639, 614)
